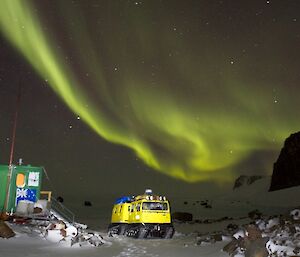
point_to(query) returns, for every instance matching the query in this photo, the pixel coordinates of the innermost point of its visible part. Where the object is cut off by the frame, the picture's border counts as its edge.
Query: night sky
(174, 95)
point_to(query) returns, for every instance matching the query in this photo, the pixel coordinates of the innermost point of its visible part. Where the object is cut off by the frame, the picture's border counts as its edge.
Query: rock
(239, 234)
(5, 230)
(255, 244)
(63, 232)
(232, 227)
(245, 180)
(4, 216)
(292, 230)
(253, 232)
(257, 248)
(296, 250)
(231, 247)
(60, 199)
(182, 216)
(286, 168)
(56, 225)
(204, 202)
(210, 239)
(37, 210)
(60, 225)
(96, 240)
(295, 214)
(56, 232)
(217, 237)
(276, 236)
(86, 238)
(87, 203)
(255, 214)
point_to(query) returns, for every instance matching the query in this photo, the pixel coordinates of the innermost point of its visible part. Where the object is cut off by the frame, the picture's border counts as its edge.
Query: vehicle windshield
(153, 206)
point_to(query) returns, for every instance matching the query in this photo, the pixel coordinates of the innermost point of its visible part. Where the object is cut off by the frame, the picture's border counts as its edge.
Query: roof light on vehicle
(148, 191)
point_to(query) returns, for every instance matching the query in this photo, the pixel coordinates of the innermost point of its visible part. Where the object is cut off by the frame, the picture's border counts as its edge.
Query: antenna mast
(12, 148)
(10, 166)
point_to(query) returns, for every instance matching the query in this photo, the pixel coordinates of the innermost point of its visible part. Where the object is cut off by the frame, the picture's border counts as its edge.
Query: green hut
(19, 183)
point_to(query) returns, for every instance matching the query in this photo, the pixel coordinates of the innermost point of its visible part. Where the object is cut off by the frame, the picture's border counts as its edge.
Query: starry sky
(161, 94)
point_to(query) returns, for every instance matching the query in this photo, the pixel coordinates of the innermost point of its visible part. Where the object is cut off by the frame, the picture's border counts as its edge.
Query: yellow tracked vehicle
(142, 216)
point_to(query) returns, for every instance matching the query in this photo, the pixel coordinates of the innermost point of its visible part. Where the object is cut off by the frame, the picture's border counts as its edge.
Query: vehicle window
(132, 208)
(155, 206)
(138, 207)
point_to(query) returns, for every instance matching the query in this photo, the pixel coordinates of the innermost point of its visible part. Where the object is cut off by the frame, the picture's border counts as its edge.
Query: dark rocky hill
(286, 171)
(245, 180)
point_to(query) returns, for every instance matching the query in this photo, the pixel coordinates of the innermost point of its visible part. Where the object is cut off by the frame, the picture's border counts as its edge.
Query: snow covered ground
(32, 245)
(235, 205)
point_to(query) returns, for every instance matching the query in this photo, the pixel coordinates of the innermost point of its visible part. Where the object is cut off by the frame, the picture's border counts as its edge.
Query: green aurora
(186, 104)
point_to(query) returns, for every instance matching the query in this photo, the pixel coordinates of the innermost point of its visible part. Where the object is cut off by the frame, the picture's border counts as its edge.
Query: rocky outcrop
(269, 236)
(286, 171)
(245, 180)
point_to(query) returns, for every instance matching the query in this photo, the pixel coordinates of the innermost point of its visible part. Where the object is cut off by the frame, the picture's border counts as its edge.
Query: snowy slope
(237, 203)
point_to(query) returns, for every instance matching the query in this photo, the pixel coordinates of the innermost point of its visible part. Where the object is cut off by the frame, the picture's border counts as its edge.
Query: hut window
(20, 181)
(33, 179)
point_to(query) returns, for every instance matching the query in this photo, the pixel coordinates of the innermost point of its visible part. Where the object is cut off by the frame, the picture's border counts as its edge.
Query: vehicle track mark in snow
(135, 250)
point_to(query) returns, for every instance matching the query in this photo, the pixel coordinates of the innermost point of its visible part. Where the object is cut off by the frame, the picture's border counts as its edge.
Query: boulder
(286, 170)
(257, 248)
(255, 244)
(87, 203)
(5, 230)
(253, 232)
(4, 216)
